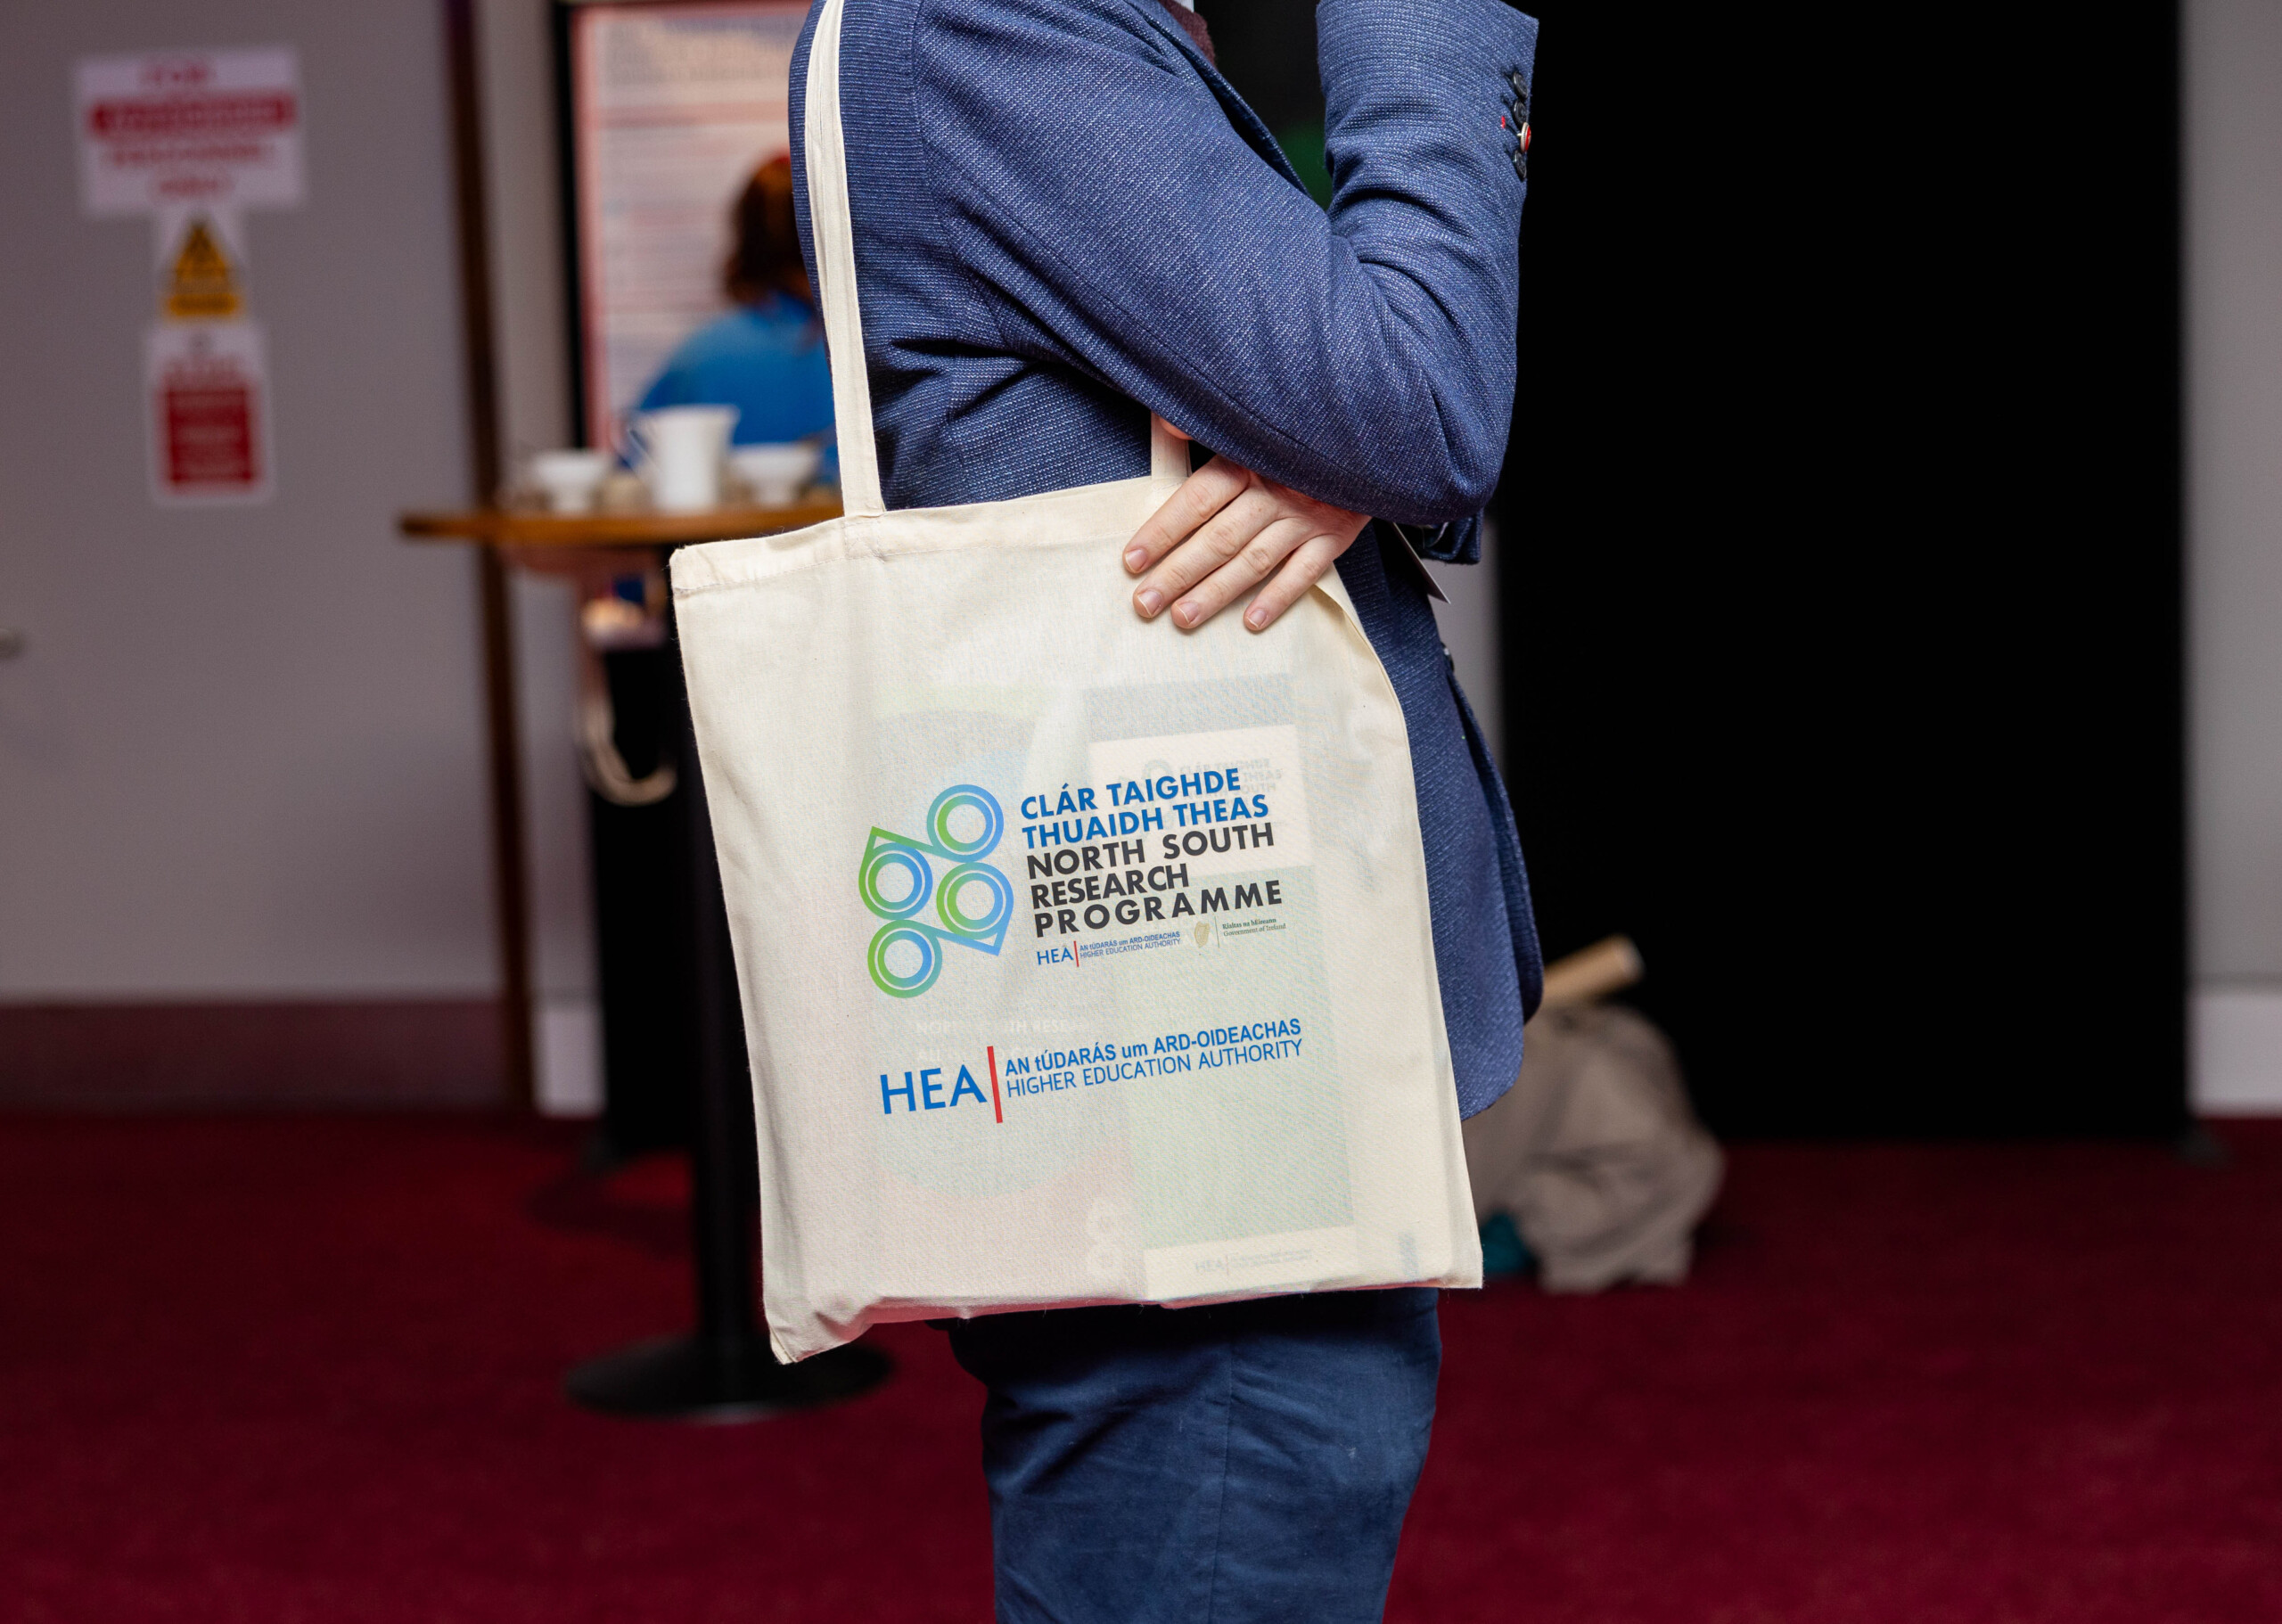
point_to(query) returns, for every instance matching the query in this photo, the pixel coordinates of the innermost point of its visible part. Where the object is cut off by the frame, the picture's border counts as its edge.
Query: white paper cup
(570, 479)
(776, 475)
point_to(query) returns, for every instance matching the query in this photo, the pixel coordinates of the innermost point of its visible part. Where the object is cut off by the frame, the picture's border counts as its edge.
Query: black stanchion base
(690, 1378)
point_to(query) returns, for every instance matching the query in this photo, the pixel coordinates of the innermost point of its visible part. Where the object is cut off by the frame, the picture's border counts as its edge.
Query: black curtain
(1840, 548)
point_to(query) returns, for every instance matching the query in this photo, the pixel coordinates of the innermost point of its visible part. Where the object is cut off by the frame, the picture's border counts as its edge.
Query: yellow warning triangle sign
(203, 284)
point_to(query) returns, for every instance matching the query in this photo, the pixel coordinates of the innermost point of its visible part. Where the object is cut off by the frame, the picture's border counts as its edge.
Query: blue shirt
(768, 360)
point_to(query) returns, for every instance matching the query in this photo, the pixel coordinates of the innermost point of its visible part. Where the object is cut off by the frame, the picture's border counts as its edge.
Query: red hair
(766, 258)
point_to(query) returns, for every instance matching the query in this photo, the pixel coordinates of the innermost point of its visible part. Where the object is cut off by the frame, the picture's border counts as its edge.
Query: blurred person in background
(766, 355)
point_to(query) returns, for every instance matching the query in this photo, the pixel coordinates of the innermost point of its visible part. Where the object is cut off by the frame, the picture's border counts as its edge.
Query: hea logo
(927, 1093)
(897, 876)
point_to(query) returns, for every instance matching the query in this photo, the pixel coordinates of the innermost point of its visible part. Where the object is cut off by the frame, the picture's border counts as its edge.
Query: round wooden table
(723, 1371)
(540, 530)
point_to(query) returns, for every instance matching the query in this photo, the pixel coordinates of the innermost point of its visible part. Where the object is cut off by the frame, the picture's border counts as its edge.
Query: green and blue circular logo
(974, 903)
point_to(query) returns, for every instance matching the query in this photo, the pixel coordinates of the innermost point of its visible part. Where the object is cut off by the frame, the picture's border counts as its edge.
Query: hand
(1227, 530)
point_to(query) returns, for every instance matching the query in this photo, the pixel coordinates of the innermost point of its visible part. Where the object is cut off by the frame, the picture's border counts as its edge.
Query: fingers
(1221, 538)
(1252, 563)
(1201, 496)
(1227, 531)
(1300, 571)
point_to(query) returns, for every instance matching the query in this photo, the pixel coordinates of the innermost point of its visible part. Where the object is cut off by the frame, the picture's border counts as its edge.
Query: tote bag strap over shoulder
(843, 326)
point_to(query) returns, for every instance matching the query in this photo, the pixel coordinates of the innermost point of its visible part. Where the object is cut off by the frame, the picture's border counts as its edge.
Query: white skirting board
(567, 1052)
(2237, 1033)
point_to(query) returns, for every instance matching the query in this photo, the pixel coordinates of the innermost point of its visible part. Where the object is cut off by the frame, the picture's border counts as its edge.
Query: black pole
(724, 1371)
(723, 1193)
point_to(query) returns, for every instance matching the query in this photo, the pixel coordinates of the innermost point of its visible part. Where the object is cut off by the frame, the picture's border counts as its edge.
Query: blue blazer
(1065, 219)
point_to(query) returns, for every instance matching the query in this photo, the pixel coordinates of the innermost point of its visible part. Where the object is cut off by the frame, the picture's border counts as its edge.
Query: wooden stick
(1609, 965)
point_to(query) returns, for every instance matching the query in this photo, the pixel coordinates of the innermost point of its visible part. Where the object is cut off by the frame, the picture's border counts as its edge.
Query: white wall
(2233, 58)
(242, 756)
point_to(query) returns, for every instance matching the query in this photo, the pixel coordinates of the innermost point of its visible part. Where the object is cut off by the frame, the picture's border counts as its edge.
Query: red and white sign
(221, 128)
(210, 412)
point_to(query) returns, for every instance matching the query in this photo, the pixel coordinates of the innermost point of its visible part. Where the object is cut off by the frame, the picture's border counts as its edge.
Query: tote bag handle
(827, 154)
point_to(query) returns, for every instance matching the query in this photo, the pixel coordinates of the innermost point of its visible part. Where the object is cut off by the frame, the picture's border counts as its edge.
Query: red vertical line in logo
(998, 1111)
(1077, 954)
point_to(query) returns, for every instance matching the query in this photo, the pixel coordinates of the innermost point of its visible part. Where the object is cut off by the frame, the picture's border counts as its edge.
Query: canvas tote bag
(1082, 960)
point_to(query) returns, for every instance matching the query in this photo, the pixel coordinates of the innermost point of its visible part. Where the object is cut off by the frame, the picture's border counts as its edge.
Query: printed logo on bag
(1090, 1065)
(974, 902)
(1086, 877)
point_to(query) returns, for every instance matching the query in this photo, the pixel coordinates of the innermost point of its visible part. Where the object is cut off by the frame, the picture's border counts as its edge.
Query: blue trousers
(1213, 1465)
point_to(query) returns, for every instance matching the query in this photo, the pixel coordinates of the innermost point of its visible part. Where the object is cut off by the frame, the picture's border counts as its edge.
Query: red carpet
(306, 1370)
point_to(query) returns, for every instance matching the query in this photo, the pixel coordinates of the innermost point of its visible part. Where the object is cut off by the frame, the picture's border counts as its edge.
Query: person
(764, 357)
(1065, 220)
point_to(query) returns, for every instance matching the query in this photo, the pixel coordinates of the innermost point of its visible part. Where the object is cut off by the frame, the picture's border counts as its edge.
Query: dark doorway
(1841, 548)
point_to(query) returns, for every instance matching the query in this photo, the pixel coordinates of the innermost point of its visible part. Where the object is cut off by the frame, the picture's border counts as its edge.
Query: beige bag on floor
(1082, 960)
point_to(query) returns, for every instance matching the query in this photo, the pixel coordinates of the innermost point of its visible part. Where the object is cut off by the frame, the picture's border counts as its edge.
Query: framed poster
(668, 106)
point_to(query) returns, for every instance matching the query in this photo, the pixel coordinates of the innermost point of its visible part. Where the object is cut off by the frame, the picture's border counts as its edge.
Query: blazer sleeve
(1119, 223)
